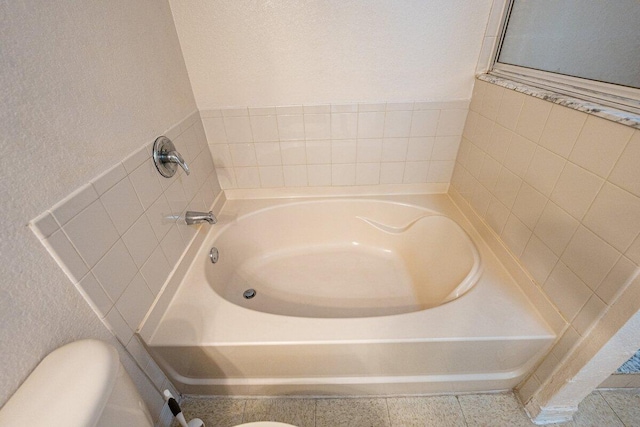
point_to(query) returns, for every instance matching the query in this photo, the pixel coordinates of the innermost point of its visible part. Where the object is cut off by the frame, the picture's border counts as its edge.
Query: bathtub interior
(343, 259)
(488, 338)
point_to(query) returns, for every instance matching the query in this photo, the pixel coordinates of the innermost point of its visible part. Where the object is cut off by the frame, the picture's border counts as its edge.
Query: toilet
(82, 384)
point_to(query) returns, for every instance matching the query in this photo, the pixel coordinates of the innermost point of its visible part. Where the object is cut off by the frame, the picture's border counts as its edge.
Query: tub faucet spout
(192, 217)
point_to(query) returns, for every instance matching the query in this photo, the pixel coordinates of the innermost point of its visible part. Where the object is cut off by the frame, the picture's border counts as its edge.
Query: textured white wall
(263, 52)
(84, 85)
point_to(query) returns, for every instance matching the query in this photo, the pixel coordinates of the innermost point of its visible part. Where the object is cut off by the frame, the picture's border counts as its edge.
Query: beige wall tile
(599, 145)
(562, 129)
(533, 118)
(626, 172)
(576, 189)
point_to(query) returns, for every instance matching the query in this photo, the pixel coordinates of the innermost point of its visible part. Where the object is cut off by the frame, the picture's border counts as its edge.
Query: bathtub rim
(547, 312)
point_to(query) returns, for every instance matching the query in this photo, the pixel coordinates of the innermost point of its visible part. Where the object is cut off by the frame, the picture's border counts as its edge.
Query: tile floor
(603, 408)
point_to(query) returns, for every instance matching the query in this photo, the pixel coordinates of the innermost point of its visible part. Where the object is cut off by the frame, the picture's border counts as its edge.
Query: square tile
(298, 412)
(510, 107)
(343, 151)
(238, 129)
(138, 157)
(293, 152)
(589, 314)
(445, 148)
(425, 411)
(397, 124)
(344, 108)
(562, 130)
(615, 216)
(479, 89)
(247, 177)
(140, 240)
(480, 199)
(589, 257)
(451, 122)
(599, 145)
(507, 187)
(626, 172)
(215, 131)
(489, 172)
(544, 170)
(122, 205)
(319, 175)
(145, 181)
(420, 148)
(115, 270)
(369, 150)
(173, 245)
(317, 126)
(156, 270)
(316, 109)
(114, 321)
(318, 152)
(391, 173)
(343, 174)
(99, 298)
(529, 205)
(352, 413)
(499, 142)
(516, 235)
(367, 173)
(555, 228)
(221, 155)
(497, 215)
(134, 302)
(291, 127)
(566, 343)
(243, 154)
(160, 217)
(44, 225)
(440, 171)
(415, 172)
(424, 123)
(491, 101)
(268, 153)
(344, 125)
(618, 278)
(538, 259)
(533, 118)
(264, 128)
(493, 410)
(519, 155)
(226, 178)
(371, 124)
(271, 176)
(295, 175)
(576, 189)
(94, 244)
(176, 197)
(394, 149)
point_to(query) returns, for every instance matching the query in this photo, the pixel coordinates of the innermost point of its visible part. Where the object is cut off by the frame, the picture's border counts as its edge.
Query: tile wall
(119, 237)
(335, 145)
(562, 190)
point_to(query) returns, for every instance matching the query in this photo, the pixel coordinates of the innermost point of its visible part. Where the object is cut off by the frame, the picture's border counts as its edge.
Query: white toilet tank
(82, 384)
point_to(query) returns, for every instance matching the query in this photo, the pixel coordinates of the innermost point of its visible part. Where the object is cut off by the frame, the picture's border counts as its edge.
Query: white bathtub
(396, 295)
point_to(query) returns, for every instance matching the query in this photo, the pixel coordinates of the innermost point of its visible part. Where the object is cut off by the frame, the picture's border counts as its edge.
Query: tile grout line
(611, 407)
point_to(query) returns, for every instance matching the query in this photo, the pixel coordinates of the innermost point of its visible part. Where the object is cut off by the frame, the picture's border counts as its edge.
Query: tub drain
(249, 293)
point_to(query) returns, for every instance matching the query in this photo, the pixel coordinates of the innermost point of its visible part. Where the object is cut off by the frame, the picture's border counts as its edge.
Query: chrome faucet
(192, 217)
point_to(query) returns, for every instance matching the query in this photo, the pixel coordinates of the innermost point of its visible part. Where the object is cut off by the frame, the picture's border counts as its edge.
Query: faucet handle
(175, 157)
(166, 157)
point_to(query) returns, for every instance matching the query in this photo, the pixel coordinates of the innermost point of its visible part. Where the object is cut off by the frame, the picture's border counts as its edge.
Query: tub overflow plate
(214, 255)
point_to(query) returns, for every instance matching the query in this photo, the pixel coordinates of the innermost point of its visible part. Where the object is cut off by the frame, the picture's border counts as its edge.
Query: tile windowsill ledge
(622, 117)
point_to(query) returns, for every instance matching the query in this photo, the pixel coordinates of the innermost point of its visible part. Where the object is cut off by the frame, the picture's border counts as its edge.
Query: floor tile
(215, 412)
(299, 412)
(441, 411)
(626, 404)
(484, 410)
(352, 413)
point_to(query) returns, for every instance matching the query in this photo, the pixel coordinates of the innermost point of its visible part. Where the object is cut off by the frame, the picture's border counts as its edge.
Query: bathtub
(360, 295)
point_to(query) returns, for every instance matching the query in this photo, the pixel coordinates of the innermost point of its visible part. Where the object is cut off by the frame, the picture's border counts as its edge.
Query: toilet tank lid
(70, 387)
